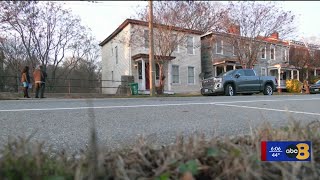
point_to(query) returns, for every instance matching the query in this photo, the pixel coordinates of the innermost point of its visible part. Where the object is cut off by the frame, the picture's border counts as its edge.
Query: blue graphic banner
(286, 150)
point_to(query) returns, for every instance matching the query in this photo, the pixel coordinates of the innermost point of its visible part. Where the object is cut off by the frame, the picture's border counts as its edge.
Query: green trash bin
(134, 88)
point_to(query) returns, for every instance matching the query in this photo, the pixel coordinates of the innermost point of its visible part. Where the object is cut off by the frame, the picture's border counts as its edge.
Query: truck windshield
(226, 73)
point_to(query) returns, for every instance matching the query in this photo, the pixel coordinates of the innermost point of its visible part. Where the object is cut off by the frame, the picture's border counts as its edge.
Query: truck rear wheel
(268, 90)
(229, 90)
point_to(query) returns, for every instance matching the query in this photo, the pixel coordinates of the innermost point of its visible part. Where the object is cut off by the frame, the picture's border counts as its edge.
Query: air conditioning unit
(125, 80)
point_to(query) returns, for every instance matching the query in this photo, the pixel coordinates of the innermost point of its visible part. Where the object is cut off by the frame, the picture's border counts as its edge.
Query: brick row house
(305, 55)
(199, 55)
(275, 57)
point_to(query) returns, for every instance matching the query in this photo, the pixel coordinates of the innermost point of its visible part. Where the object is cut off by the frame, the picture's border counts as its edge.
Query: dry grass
(187, 159)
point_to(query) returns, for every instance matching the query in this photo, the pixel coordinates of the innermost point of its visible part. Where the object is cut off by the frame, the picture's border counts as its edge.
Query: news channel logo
(286, 150)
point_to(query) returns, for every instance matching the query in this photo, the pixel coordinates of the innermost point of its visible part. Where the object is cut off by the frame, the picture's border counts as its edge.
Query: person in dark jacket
(25, 79)
(43, 81)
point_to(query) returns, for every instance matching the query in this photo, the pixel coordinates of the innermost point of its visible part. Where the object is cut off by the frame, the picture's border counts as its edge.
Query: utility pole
(152, 74)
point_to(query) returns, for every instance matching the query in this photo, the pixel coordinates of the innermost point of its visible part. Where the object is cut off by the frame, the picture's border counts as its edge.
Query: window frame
(193, 52)
(178, 74)
(233, 51)
(274, 52)
(177, 49)
(221, 47)
(157, 71)
(265, 52)
(139, 70)
(285, 55)
(194, 80)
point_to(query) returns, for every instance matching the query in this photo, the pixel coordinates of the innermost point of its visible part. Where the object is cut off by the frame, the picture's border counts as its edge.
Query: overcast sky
(104, 17)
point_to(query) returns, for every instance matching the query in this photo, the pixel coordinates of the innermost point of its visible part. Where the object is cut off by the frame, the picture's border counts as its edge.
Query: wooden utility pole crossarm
(152, 74)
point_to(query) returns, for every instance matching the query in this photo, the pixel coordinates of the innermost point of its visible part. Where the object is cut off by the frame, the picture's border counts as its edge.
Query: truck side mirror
(237, 75)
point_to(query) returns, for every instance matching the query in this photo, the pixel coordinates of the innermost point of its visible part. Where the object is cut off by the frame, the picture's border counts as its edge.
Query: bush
(293, 86)
(197, 158)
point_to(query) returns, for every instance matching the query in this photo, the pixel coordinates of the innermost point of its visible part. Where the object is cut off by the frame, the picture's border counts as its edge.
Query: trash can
(134, 88)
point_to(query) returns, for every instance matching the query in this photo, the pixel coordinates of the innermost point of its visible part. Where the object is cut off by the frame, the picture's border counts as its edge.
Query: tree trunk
(160, 88)
(53, 81)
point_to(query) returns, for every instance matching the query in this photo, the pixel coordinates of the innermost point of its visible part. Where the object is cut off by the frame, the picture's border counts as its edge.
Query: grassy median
(191, 158)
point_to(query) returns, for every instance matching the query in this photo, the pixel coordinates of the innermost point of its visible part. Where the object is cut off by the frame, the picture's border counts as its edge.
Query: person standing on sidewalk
(25, 79)
(37, 76)
(43, 81)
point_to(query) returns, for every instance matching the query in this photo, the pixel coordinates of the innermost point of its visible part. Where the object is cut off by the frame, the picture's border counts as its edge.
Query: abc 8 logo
(299, 151)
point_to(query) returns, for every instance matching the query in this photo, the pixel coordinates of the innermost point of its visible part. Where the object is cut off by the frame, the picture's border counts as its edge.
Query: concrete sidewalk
(19, 96)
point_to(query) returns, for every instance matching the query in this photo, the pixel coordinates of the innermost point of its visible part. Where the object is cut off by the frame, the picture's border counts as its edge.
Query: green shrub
(293, 85)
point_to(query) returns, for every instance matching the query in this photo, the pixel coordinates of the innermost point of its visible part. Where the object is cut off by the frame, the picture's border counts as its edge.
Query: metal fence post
(100, 86)
(69, 87)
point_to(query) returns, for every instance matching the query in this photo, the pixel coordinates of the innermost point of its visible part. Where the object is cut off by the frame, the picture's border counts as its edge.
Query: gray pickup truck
(239, 81)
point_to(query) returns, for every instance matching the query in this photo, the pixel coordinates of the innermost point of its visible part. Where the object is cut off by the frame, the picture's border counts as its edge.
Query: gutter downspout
(130, 63)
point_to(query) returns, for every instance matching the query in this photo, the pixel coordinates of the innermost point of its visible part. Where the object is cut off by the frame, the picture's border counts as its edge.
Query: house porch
(141, 64)
(283, 73)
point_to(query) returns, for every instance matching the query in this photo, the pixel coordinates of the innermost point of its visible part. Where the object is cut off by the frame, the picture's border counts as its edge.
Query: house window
(190, 45)
(190, 75)
(175, 74)
(116, 49)
(272, 52)
(146, 38)
(263, 53)
(140, 70)
(233, 50)
(263, 71)
(219, 45)
(174, 43)
(157, 72)
(284, 55)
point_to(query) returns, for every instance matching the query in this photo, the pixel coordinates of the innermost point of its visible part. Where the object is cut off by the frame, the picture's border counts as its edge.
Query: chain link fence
(57, 85)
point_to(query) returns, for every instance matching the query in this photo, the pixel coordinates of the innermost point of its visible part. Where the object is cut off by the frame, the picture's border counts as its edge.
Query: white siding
(183, 60)
(109, 61)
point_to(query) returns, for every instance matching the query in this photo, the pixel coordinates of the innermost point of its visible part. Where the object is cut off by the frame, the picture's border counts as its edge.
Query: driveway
(65, 123)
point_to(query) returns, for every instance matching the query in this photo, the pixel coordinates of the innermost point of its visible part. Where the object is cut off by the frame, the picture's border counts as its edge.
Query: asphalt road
(65, 123)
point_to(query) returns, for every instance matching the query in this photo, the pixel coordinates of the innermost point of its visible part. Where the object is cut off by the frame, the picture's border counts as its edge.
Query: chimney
(275, 35)
(234, 29)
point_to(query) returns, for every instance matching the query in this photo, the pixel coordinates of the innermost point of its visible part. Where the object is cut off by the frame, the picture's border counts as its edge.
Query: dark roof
(260, 38)
(144, 23)
(146, 56)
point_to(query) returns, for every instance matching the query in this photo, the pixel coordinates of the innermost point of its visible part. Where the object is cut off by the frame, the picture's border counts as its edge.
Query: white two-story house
(176, 53)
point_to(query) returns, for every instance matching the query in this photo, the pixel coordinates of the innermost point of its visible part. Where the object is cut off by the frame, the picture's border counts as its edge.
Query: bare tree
(311, 60)
(250, 23)
(14, 20)
(14, 56)
(84, 51)
(13, 59)
(196, 15)
(299, 57)
(48, 32)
